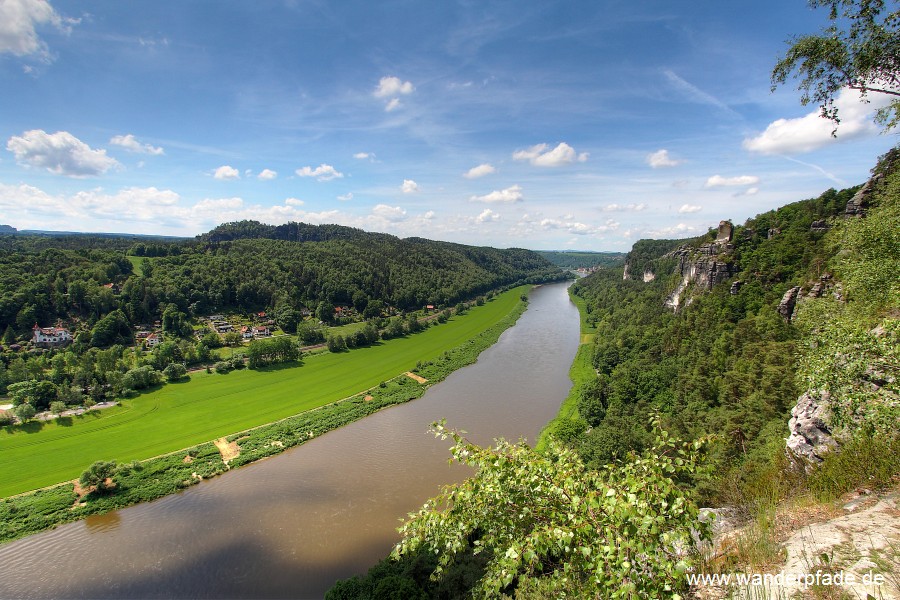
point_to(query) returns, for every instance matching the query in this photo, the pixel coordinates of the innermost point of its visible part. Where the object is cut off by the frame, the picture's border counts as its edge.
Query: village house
(247, 332)
(259, 332)
(50, 337)
(152, 340)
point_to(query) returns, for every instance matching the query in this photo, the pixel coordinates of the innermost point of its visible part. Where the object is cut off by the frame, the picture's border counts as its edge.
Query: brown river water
(290, 526)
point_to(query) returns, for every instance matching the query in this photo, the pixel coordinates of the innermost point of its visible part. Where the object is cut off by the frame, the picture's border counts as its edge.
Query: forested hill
(243, 266)
(706, 331)
(291, 232)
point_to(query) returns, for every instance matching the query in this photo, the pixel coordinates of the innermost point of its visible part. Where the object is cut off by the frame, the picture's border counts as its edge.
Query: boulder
(788, 301)
(810, 436)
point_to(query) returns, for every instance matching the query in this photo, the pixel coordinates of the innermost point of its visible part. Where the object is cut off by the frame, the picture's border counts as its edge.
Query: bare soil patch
(228, 450)
(415, 377)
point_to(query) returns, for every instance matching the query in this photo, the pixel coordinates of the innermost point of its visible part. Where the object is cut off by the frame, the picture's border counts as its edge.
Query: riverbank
(581, 372)
(140, 481)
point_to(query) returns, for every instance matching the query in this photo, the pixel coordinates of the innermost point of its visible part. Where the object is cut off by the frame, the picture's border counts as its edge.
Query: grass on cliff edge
(211, 405)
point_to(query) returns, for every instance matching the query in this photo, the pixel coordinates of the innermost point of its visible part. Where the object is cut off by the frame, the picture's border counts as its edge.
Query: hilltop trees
(859, 50)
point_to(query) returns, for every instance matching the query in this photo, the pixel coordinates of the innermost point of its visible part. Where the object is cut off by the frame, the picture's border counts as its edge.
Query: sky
(578, 125)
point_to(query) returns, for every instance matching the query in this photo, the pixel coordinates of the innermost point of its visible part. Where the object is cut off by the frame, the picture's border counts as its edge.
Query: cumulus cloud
(661, 158)
(393, 214)
(578, 228)
(267, 174)
(678, 230)
(540, 156)
(130, 143)
(364, 156)
(346, 197)
(409, 186)
(487, 216)
(719, 181)
(18, 26)
(147, 210)
(392, 86)
(226, 172)
(61, 153)
(690, 208)
(624, 207)
(508, 196)
(322, 173)
(811, 132)
(479, 171)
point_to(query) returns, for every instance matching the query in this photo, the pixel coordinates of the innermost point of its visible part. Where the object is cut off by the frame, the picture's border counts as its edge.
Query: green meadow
(210, 406)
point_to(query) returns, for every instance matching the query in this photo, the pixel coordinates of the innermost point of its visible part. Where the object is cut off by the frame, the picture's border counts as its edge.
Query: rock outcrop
(788, 301)
(810, 436)
(702, 267)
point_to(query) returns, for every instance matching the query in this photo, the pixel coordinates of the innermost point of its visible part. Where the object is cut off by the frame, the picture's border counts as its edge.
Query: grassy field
(211, 405)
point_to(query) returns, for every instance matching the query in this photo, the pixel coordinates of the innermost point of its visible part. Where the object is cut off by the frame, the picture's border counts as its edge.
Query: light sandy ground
(861, 544)
(853, 554)
(412, 375)
(229, 451)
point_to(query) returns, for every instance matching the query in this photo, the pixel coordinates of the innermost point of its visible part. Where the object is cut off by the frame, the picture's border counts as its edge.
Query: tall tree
(859, 50)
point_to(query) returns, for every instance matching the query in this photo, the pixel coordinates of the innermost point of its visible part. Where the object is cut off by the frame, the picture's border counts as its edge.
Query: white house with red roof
(50, 336)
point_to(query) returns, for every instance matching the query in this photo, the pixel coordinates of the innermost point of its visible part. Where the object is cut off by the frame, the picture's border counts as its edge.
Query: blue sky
(545, 125)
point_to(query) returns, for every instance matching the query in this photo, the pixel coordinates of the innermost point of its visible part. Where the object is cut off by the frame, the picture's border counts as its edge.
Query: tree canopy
(859, 50)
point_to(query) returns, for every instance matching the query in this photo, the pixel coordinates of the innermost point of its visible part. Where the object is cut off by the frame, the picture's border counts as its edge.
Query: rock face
(856, 206)
(810, 436)
(704, 266)
(788, 301)
(649, 276)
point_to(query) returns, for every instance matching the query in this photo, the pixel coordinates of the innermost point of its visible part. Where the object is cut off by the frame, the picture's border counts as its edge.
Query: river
(290, 526)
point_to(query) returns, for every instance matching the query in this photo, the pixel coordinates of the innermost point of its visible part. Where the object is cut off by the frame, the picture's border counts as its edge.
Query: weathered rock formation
(810, 436)
(702, 267)
(788, 301)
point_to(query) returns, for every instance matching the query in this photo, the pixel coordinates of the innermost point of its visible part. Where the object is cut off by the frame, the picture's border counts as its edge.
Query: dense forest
(583, 260)
(111, 293)
(244, 266)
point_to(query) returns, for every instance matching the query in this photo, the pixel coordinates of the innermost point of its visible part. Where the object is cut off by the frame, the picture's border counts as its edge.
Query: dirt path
(228, 450)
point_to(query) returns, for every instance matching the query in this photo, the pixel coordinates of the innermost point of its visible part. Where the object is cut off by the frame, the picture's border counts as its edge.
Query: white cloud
(811, 132)
(18, 21)
(624, 207)
(392, 86)
(294, 202)
(487, 216)
(578, 228)
(689, 208)
(130, 143)
(719, 181)
(322, 173)
(392, 105)
(61, 153)
(346, 197)
(364, 156)
(479, 171)
(540, 156)
(509, 195)
(227, 172)
(409, 186)
(661, 158)
(389, 213)
(267, 174)
(678, 230)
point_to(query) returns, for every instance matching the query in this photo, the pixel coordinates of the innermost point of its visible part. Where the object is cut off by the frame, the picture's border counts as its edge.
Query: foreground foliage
(549, 524)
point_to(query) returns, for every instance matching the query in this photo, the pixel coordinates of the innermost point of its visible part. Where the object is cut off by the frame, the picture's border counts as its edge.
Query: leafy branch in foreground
(549, 523)
(860, 50)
